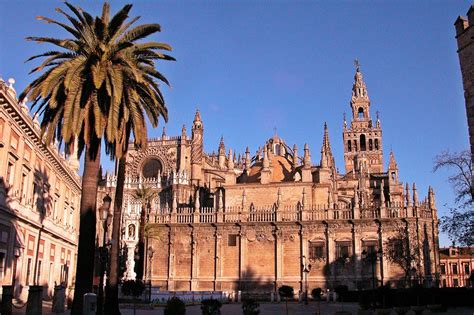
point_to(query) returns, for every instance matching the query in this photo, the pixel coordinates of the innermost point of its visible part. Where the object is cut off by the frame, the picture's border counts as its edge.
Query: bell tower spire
(363, 138)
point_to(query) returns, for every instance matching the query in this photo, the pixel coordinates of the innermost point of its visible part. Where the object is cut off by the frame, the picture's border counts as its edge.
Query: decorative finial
(357, 64)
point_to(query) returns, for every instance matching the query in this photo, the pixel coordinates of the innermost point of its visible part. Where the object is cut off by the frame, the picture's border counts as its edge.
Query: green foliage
(133, 287)
(286, 291)
(250, 307)
(316, 293)
(175, 306)
(99, 83)
(211, 307)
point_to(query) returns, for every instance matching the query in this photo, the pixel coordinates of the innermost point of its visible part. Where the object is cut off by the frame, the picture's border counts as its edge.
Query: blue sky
(252, 66)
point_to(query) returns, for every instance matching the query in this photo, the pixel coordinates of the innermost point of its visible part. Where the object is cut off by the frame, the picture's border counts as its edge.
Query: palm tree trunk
(87, 231)
(141, 242)
(111, 290)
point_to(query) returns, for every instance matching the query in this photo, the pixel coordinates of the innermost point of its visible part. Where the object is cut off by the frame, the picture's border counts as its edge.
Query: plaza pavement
(265, 309)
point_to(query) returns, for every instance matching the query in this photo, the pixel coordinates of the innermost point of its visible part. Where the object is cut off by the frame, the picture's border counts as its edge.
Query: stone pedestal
(7, 296)
(59, 299)
(35, 300)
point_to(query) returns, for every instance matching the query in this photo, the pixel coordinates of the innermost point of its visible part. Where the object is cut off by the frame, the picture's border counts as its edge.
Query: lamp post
(105, 217)
(306, 269)
(372, 258)
(150, 259)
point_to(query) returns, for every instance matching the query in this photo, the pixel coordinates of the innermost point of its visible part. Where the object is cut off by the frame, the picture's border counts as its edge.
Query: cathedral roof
(281, 169)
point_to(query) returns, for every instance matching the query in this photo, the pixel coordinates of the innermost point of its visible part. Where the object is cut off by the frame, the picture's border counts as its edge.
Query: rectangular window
(443, 269)
(455, 269)
(28, 272)
(10, 172)
(2, 265)
(316, 250)
(456, 283)
(466, 269)
(232, 240)
(444, 283)
(343, 250)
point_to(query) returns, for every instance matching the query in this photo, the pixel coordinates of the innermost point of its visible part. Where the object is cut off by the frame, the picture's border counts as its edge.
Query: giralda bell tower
(363, 139)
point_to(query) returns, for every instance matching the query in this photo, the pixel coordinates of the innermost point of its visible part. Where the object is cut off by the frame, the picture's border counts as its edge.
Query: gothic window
(360, 112)
(316, 250)
(362, 143)
(393, 175)
(371, 147)
(376, 144)
(232, 240)
(151, 168)
(349, 146)
(343, 249)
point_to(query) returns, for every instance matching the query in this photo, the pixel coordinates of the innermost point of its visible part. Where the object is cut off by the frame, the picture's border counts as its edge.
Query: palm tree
(145, 195)
(96, 89)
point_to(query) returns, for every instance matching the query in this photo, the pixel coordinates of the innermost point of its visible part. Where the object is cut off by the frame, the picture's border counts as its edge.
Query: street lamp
(306, 269)
(372, 258)
(105, 217)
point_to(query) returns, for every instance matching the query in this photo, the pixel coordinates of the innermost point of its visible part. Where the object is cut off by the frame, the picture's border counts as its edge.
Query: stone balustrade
(275, 213)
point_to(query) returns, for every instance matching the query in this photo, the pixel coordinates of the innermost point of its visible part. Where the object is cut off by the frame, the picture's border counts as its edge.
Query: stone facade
(39, 203)
(465, 39)
(226, 222)
(456, 266)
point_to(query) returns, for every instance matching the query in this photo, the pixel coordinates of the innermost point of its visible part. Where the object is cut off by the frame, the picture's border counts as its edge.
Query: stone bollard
(59, 299)
(90, 304)
(7, 296)
(34, 304)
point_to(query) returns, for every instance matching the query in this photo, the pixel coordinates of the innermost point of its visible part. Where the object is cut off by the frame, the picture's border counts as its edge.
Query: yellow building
(39, 203)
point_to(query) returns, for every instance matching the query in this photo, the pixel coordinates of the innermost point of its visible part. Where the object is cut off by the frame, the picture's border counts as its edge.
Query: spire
(197, 116)
(407, 195)
(415, 195)
(306, 157)
(183, 132)
(230, 160)
(431, 198)
(360, 101)
(392, 164)
(295, 156)
(247, 159)
(359, 89)
(266, 163)
(221, 150)
(163, 133)
(221, 153)
(326, 153)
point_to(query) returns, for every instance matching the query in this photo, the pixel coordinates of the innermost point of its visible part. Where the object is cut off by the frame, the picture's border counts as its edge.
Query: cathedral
(230, 222)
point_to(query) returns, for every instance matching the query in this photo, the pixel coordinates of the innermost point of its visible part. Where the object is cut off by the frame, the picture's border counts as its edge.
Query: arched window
(151, 168)
(349, 146)
(362, 143)
(360, 112)
(376, 144)
(370, 145)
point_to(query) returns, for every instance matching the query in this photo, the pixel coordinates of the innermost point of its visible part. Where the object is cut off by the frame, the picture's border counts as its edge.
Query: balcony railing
(276, 213)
